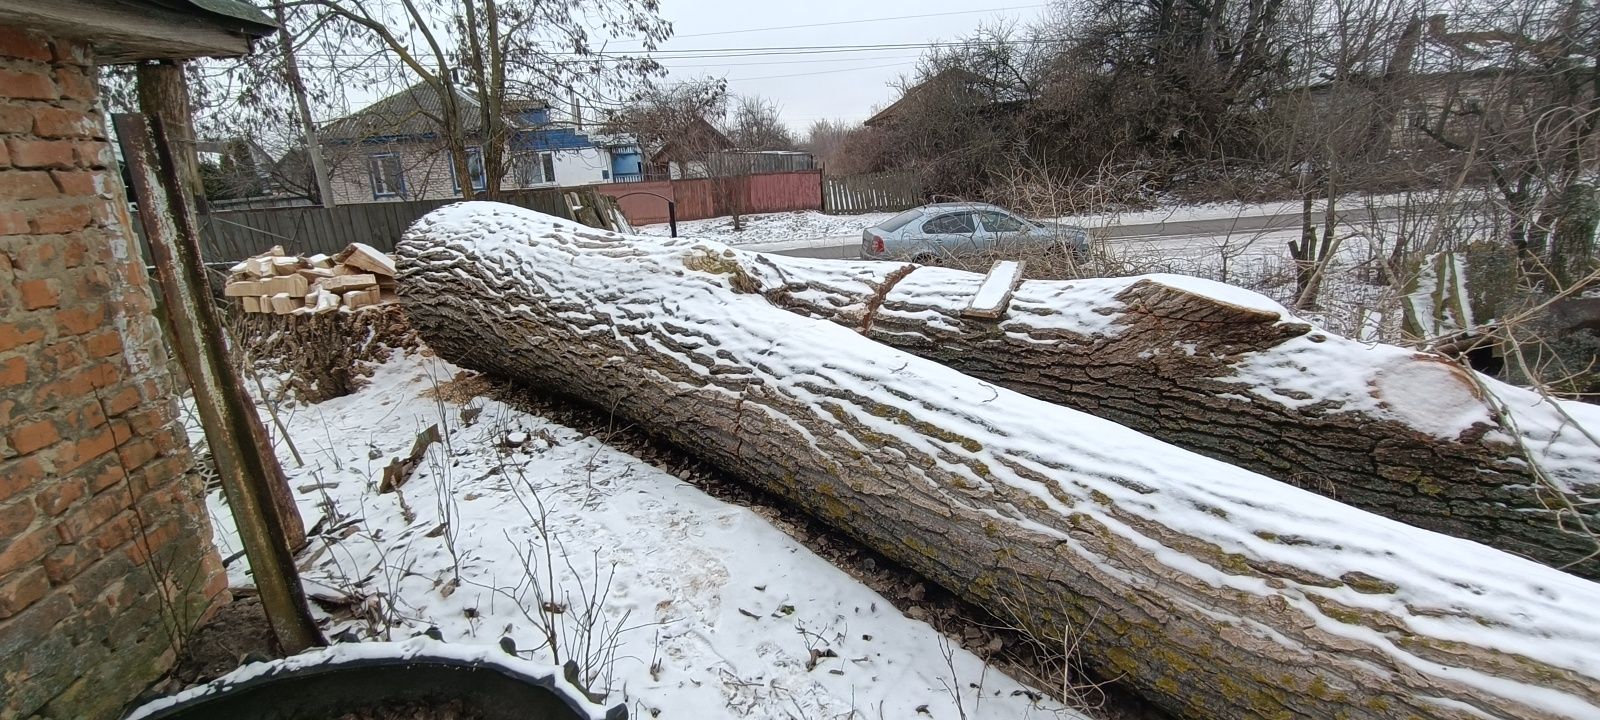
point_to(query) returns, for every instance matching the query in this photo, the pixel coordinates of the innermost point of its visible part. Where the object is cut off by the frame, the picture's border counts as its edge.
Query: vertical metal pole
(161, 170)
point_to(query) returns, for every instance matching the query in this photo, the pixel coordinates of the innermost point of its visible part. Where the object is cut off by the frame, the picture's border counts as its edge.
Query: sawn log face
(1219, 593)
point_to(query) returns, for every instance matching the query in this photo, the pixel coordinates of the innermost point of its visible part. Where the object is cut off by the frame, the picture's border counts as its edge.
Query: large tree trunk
(1388, 430)
(1218, 592)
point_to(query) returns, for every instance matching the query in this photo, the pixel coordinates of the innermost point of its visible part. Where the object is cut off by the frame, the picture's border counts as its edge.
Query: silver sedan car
(930, 233)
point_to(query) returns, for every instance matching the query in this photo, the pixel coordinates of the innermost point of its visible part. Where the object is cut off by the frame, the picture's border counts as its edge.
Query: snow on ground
(765, 228)
(679, 603)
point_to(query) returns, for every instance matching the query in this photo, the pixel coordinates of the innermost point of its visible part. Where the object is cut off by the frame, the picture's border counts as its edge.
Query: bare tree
(755, 124)
(677, 125)
(477, 54)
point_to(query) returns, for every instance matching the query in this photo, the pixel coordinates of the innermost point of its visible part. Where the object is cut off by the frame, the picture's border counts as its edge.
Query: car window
(900, 221)
(1000, 222)
(950, 224)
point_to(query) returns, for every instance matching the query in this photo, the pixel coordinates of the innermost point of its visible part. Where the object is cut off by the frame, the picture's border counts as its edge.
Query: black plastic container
(329, 688)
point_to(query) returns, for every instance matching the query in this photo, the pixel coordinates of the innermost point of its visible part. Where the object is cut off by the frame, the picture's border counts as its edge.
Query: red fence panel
(639, 201)
(782, 192)
(707, 197)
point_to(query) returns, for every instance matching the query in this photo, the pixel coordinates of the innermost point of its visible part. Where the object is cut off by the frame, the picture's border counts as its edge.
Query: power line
(852, 22)
(717, 53)
(822, 72)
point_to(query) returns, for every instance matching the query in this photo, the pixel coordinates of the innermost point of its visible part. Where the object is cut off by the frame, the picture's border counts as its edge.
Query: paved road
(848, 247)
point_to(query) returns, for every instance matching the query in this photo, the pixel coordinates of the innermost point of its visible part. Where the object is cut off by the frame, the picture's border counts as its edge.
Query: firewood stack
(282, 284)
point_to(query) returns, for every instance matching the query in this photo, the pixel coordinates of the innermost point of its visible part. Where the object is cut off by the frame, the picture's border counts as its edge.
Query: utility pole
(291, 72)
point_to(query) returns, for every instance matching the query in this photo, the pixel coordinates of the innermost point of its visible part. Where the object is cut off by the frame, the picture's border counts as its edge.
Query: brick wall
(105, 547)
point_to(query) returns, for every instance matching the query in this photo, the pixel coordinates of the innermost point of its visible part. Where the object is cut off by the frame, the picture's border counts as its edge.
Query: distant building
(393, 150)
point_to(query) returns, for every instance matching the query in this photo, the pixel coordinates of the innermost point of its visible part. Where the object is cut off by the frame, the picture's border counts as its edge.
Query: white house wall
(427, 171)
(582, 167)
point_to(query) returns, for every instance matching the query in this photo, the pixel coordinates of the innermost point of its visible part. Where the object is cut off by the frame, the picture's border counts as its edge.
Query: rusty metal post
(164, 188)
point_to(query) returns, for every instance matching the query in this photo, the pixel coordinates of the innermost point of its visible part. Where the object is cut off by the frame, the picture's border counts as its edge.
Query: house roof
(943, 79)
(416, 110)
(123, 31)
(419, 110)
(698, 137)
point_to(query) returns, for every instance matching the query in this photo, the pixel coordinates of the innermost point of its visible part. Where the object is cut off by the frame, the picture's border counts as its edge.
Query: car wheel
(926, 259)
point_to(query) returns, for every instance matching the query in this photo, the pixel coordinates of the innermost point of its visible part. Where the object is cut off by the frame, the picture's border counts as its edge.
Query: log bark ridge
(1218, 592)
(1395, 432)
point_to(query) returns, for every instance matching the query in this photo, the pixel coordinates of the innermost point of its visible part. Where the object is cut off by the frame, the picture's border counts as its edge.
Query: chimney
(577, 110)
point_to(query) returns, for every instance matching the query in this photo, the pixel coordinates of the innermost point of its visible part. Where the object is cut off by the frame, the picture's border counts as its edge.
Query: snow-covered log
(1232, 375)
(1219, 592)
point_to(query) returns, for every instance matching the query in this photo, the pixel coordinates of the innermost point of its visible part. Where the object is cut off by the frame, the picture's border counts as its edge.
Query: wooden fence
(645, 203)
(880, 192)
(238, 234)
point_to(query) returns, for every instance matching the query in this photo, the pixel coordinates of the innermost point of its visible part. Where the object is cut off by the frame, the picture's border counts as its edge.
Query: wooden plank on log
(367, 258)
(994, 293)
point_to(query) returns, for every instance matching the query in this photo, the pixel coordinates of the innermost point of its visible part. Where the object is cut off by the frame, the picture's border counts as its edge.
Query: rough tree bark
(1218, 592)
(1229, 381)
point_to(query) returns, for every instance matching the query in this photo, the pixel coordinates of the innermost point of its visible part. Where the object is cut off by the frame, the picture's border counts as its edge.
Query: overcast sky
(808, 87)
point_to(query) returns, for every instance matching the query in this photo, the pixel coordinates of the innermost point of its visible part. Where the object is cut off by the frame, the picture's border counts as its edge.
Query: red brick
(26, 185)
(24, 85)
(114, 533)
(17, 593)
(84, 519)
(13, 335)
(17, 475)
(74, 84)
(124, 400)
(13, 222)
(73, 252)
(77, 321)
(87, 418)
(61, 219)
(146, 421)
(137, 452)
(41, 153)
(152, 542)
(72, 52)
(25, 549)
(13, 372)
(217, 585)
(15, 119)
(16, 43)
(40, 293)
(59, 123)
(94, 154)
(16, 518)
(5, 157)
(67, 562)
(33, 436)
(105, 344)
(6, 408)
(62, 356)
(35, 258)
(108, 475)
(80, 183)
(60, 495)
(74, 455)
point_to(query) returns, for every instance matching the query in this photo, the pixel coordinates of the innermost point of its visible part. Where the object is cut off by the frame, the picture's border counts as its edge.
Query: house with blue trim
(392, 150)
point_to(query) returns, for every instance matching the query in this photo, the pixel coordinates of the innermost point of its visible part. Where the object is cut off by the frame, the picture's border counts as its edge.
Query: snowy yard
(678, 604)
(770, 228)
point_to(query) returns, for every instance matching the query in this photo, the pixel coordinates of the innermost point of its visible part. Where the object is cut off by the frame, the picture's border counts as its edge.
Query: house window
(388, 180)
(480, 179)
(536, 169)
